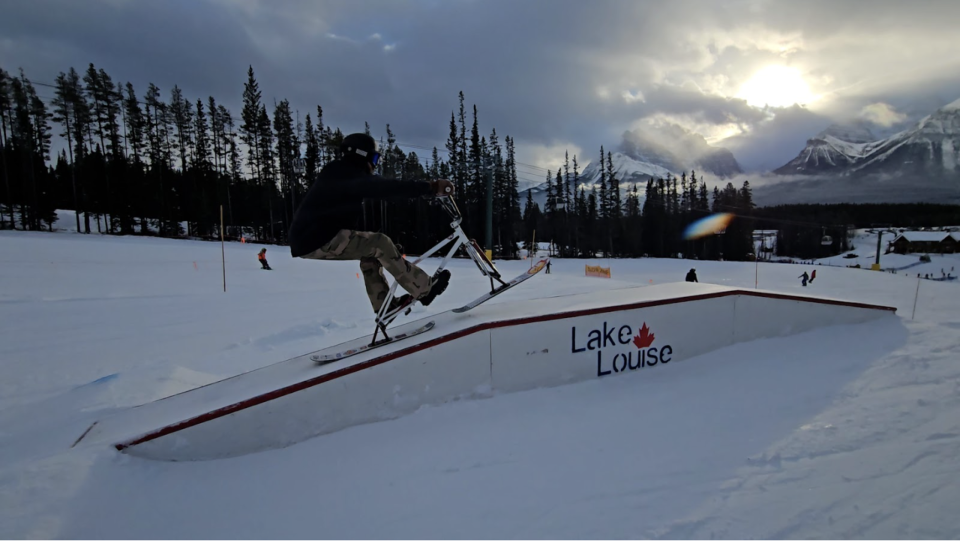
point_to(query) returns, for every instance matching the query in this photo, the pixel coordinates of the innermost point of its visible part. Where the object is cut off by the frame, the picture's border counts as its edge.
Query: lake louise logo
(644, 355)
(643, 338)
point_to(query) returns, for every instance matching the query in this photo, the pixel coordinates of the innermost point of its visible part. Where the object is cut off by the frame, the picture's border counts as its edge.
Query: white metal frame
(460, 240)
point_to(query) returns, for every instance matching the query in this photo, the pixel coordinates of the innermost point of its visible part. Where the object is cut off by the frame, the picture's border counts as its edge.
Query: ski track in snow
(842, 432)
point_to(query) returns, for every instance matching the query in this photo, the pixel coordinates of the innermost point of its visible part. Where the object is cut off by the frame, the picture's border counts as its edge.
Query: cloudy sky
(756, 76)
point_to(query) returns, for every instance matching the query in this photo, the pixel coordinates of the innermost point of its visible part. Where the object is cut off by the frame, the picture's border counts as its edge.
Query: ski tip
(539, 266)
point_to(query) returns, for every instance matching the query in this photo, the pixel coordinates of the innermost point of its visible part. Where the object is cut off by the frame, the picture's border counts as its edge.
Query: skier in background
(813, 275)
(804, 277)
(262, 256)
(692, 276)
(326, 225)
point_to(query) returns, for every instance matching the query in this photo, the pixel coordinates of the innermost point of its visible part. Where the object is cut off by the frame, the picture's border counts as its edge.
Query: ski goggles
(375, 159)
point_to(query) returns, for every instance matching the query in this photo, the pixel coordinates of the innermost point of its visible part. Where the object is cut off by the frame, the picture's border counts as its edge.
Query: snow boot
(399, 302)
(438, 284)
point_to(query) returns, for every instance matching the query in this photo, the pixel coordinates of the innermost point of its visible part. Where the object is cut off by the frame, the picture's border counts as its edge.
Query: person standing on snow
(262, 256)
(804, 277)
(813, 275)
(326, 225)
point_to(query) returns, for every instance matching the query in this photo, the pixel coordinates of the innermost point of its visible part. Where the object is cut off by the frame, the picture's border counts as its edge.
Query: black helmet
(360, 147)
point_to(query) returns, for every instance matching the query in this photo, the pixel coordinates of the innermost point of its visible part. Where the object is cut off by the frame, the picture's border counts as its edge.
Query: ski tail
(327, 358)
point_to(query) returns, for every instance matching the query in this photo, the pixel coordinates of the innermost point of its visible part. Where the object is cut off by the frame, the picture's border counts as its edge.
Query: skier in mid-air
(327, 223)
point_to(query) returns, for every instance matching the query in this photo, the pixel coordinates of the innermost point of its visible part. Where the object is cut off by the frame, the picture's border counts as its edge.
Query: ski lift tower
(879, 230)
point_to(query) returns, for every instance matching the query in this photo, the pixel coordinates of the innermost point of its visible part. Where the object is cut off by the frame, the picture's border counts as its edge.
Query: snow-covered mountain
(930, 147)
(678, 149)
(834, 149)
(629, 171)
(655, 152)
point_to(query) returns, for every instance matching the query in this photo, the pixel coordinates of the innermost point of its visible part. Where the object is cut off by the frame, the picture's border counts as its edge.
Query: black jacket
(335, 202)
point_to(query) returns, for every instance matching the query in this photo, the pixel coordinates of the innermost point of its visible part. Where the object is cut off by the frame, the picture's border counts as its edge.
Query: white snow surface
(842, 432)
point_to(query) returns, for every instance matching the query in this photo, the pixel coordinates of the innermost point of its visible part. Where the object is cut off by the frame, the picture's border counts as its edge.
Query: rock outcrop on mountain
(931, 147)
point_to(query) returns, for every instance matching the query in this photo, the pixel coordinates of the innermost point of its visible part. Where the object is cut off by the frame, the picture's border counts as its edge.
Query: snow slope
(840, 432)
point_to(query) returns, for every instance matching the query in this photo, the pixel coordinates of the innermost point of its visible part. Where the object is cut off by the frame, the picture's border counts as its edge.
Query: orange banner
(597, 271)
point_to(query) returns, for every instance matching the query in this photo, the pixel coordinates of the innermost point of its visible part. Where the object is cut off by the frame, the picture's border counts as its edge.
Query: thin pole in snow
(223, 257)
(915, 295)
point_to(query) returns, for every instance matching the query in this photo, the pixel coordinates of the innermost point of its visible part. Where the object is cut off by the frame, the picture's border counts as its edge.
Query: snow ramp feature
(505, 347)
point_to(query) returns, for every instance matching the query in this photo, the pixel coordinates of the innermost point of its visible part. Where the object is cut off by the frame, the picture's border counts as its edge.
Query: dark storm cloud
(554, 73)
(192, 44)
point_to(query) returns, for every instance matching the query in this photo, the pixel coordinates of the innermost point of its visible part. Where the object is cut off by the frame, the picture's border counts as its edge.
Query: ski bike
(387, 314)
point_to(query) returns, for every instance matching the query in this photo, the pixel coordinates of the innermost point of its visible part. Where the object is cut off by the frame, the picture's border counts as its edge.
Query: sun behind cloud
(776, 86)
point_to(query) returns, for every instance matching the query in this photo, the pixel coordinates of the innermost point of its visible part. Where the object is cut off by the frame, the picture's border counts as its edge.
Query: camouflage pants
(376, 252)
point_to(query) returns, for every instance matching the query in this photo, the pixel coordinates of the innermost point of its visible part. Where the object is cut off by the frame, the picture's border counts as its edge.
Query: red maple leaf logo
(644, 338)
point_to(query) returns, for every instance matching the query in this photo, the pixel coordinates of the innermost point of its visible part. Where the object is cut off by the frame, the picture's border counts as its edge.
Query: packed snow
(848, 431)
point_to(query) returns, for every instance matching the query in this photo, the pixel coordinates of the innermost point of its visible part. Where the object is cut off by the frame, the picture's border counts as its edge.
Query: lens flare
(710, 225)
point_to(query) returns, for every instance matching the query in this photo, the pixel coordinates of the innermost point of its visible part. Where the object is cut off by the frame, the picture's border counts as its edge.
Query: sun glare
(776, 86)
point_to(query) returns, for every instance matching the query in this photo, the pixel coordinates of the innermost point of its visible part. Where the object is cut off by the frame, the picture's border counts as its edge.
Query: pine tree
(288, 150)
(158, 142)
(201, 155)
(135, 128)
(200, 167)
(99, 90)
(531, 218)
(323, 139)
(592, 224)
(513, 195)
(268, 165)
(64, 104)
(603, 220)
(250, 129)
(182, 116)
(311, 156)
(30, 135)
(435, 164)
(94, 91)
(5, 114)
(216, 142)
(614, 223)
(453, 155)
(551, 204)
(112, 98)
(476, 187)
(462, 165)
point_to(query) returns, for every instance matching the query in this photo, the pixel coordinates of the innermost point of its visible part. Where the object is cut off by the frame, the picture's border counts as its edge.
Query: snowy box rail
(507, 347)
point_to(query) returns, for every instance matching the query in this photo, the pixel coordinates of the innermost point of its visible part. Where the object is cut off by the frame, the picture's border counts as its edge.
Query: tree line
(154, 166)
(169, 167)
(613, 219)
